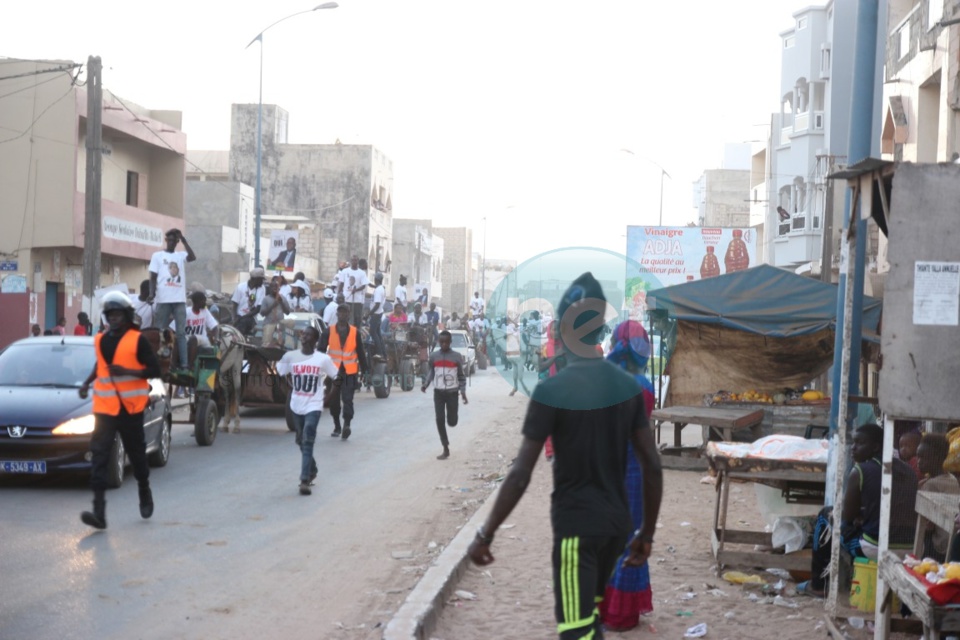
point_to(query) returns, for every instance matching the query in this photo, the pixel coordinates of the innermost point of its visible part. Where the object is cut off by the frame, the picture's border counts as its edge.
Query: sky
(506, 117)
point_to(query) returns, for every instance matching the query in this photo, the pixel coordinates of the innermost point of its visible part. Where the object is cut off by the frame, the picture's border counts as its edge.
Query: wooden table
(721, 422)
(941, 509)
(776, 473)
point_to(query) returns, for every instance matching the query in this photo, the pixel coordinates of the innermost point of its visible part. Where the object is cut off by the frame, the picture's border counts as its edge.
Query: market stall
(755, 333)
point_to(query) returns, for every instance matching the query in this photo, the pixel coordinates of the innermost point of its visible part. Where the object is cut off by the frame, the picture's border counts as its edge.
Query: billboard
(665, 256)
(283, 250)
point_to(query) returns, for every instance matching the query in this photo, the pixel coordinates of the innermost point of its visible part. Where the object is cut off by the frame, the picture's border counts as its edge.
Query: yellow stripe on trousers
(569, 582)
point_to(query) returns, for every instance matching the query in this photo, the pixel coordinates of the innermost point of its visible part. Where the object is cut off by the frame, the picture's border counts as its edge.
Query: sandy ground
(514, 595)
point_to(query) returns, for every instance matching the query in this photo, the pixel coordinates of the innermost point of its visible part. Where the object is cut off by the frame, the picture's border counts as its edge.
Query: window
(825, 61)
(801, 23)
(788, 42)
(904, 40)
(133, 189)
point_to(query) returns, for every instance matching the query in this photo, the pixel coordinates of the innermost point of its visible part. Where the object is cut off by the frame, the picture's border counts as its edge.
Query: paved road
(232, 550)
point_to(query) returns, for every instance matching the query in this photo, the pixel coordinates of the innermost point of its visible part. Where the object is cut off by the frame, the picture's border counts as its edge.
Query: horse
(231, 363)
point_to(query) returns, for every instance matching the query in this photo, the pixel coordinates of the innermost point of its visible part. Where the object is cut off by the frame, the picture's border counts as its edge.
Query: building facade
(42, 193)
(344, 191)
(418, 253)
(457, 272)
(722, 196)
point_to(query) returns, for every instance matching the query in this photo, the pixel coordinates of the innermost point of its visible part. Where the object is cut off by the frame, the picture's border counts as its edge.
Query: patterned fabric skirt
(628, 593)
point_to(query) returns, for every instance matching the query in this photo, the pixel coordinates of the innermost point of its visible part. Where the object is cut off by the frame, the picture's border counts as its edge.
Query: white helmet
(116, 300)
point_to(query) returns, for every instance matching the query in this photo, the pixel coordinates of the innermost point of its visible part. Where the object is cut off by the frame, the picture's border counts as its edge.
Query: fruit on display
(812, 395)
(933, 571)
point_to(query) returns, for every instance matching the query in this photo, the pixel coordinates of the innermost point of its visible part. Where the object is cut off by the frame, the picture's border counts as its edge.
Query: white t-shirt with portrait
(171, 276)
(354, 279)
(400, 294)
(246, 299)
(308, 372)
(476, 305)
(198, 324)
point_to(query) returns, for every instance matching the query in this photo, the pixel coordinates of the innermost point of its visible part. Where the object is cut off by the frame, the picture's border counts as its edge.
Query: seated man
(931, 454)
(860, 519)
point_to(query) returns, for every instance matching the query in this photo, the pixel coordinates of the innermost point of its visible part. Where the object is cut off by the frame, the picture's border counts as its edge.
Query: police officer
(121, 391)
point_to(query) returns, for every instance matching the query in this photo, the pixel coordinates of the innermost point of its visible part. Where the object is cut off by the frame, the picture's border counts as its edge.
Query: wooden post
(881, 620)
(840, 452)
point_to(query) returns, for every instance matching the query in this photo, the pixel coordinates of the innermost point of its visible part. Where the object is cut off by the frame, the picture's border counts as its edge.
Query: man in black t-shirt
(592, 409)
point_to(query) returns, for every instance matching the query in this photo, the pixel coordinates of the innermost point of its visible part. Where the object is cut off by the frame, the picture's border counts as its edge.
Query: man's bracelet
(482, 537)
(643, 538)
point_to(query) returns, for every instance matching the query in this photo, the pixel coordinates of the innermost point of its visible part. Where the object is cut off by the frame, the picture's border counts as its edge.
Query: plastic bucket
(863, 585)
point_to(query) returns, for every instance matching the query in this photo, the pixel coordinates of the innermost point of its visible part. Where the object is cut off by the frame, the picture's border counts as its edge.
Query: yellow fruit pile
(812, 395)
(932, 570)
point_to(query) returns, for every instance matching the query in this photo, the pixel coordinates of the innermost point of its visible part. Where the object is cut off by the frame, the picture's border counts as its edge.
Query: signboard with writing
(283, 250)
(8, 265)
(666, 256)
(13, 284)
(117, 229)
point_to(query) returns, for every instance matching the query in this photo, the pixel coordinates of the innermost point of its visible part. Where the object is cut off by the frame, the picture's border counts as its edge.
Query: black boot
(346, 430)
(98, 517)
(336, 428)
(146, 502)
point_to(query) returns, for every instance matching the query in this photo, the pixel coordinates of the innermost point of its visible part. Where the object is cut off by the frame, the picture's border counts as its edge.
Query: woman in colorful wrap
(628, 593)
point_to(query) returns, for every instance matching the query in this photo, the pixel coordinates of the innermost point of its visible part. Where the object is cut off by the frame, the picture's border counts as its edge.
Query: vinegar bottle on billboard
(710, 266)
(737, 258)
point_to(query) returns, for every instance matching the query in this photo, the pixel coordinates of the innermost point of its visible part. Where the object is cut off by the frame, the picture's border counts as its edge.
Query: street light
(256, 205)
(663, 172)
(483, 265)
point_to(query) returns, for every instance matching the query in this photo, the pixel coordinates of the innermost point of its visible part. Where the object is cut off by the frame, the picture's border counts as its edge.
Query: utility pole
(92, 226)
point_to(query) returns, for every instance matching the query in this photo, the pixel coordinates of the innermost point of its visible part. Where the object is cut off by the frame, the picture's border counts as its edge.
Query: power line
(37, 119)
(30, 86)
(41, 71)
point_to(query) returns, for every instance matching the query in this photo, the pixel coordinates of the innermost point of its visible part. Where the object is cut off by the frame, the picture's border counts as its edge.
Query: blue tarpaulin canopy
(763, 300)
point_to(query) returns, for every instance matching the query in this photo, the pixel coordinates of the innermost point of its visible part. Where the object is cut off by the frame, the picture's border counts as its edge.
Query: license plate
(23, 466)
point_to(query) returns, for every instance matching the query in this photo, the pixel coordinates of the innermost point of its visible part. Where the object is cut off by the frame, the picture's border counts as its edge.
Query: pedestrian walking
(343, 344)
(306, 371)
(353, 286)
(445, 371)
(592, 409)
(121, 392)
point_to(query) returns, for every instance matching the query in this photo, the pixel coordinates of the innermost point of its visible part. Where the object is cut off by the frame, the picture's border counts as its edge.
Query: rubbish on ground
(856, 623)
(685, 614)
(684, 524)
(688, 596)
(465, 595)
(780, 601)
(696, 631)
(729, 615)
(780, 573)
(432, 545)
(401, 555)
(736, 577)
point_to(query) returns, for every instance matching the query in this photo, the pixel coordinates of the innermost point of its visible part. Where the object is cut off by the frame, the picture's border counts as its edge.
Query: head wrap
(631, 345)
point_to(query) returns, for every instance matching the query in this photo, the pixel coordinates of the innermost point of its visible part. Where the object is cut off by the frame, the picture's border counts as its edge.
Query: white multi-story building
(808, 139)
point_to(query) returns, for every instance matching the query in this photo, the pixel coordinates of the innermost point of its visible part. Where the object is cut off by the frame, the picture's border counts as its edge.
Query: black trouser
(375, 320)
(582, 566)
(105, 430)
(343, 399)
(356, 309)
(445, 403)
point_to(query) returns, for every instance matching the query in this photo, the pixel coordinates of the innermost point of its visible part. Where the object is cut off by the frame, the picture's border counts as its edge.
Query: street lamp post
(483, 265)
(663, 172)
(256, 205)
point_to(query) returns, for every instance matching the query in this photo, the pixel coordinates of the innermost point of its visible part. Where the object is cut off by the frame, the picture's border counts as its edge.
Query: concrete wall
(726, 195)
(457, 274)
(418, 253)
(220, 225)
(345, 189)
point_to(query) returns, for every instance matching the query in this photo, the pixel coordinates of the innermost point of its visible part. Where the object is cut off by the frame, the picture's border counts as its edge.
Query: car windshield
(458, 341)
(38, 365)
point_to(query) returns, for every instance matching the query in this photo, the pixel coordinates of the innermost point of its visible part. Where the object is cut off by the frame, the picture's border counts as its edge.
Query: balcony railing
(785, 134)
(801, 122)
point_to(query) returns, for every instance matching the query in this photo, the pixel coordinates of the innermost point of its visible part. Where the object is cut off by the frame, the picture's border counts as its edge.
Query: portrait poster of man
(283, 250)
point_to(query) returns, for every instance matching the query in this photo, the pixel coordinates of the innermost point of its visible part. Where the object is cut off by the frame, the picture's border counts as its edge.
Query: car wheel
(117, 464)
(161, 456)
(473, 368)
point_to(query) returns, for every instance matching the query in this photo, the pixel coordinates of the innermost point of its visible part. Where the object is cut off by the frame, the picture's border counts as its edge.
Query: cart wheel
(205, 426)
(408, 376)
(381, 381)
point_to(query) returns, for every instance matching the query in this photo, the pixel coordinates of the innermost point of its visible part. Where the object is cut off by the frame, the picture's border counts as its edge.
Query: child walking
(305, 371)
(445, 370)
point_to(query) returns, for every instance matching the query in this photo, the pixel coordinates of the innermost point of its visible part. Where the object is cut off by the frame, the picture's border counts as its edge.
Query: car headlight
(76, 427)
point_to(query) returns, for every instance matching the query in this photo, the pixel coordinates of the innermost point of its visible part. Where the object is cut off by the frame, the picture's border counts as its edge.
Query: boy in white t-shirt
(353, 286)
(200, 322)
(168, 288)
(305, 371)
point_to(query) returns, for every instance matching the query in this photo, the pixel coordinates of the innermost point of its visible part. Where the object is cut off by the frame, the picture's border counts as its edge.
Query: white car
(462, 343)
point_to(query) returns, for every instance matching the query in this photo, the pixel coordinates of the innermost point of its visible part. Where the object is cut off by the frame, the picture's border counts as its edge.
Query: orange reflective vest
(345, 354)
(110, 391)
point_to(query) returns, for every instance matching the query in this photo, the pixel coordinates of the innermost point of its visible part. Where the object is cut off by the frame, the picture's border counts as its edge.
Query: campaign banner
(283, 250)
(664, 256)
